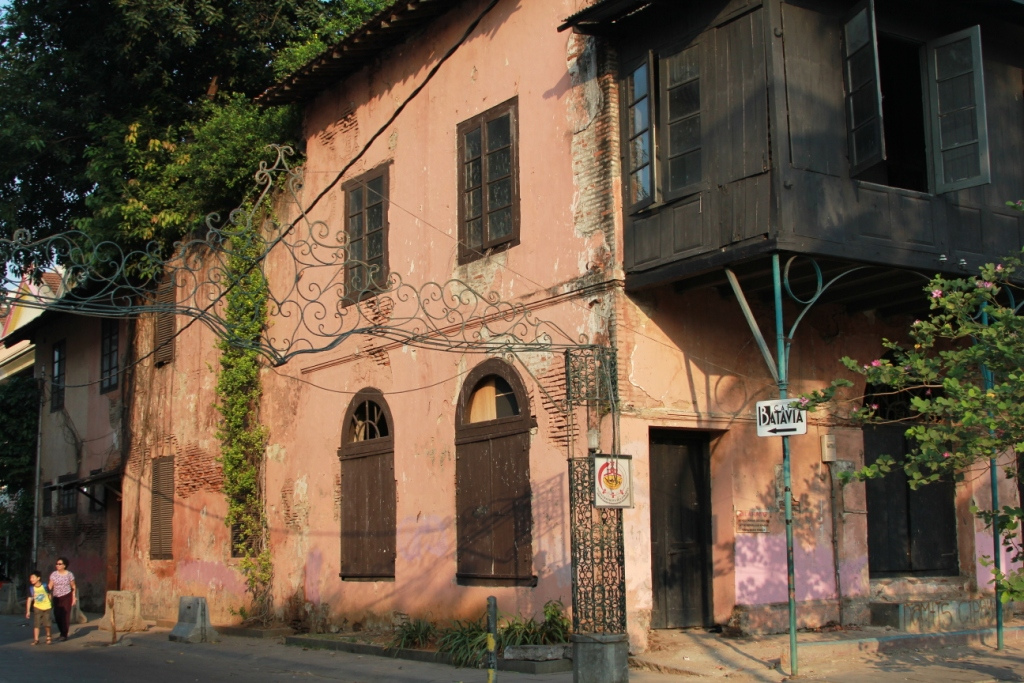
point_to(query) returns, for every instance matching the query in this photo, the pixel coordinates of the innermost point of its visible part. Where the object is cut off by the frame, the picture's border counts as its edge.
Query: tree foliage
(962, 372)
(19, 421)
(132, 119)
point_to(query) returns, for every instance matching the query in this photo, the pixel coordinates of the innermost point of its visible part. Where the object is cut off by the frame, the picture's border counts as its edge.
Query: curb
(517, 666)
(808, 651)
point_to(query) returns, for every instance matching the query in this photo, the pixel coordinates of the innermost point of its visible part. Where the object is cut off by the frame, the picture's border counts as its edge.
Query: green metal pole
(989, 383)
(782, 360)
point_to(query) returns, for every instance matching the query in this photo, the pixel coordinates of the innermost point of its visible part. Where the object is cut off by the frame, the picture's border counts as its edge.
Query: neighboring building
(82, 364)
(605, 181)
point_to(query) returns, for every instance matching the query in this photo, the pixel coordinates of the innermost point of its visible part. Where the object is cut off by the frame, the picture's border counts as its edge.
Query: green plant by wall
(243, 437)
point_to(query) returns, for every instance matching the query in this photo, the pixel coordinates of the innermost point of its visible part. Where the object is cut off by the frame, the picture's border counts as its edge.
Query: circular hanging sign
(613, 481)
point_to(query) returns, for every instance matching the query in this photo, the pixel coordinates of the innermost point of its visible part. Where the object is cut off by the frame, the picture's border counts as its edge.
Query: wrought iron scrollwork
(598, 557)
(313, 305)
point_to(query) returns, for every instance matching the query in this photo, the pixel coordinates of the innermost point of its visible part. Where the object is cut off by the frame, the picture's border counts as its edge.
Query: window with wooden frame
(108, 355)
(161, 523)
(368, 491)
(48, 494)
(164, 323)
(662, 102)
(366, 225)
(919, 131)
(488, 151)
(68, 495)
(494, 523)
(58, 375)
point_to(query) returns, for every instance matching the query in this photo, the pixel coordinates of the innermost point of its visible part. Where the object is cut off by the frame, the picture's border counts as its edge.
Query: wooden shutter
(368, 491)
(865, 129)
(163, 341)
(162, 509)
(368, 524)
(959, 130)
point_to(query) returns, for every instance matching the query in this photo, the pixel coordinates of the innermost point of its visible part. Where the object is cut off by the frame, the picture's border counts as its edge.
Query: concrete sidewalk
(852, 656)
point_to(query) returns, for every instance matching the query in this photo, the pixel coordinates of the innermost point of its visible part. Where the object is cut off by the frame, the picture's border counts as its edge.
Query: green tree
(962, 371)
(19, 420)
(132, 119)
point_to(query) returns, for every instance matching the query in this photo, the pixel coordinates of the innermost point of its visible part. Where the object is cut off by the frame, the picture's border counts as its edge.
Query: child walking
(40, 605)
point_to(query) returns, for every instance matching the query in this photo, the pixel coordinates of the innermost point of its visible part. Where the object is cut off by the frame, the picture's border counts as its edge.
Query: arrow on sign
(778, 430)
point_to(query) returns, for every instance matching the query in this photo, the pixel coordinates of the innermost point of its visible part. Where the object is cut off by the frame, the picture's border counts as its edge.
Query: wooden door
(910, 533)
(680, 530)
(493, 501)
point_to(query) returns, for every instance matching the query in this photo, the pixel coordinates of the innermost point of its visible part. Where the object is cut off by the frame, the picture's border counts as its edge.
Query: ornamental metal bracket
(319, 295)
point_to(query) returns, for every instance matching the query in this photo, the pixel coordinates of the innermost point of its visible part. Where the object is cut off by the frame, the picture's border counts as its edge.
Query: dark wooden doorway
(910, 533)
(680, 529)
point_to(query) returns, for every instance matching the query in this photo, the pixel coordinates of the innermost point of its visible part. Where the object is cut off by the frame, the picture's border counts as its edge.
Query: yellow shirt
(40, 598)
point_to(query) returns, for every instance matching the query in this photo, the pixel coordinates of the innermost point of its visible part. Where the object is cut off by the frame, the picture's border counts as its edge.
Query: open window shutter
(863, 90)
(956, 90)
(163, 340)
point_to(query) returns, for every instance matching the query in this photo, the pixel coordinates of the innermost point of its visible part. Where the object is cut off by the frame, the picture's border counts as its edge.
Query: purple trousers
(62, 613)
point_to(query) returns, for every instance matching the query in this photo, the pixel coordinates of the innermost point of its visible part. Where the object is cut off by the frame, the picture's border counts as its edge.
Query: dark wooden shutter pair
(495, 518)
(162, 509)
(368, 491)
(368, 514)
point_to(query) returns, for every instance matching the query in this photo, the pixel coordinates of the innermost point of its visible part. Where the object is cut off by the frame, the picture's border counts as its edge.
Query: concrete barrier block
(193, 622)
(9, 602)
(600, 658)
(123, 607)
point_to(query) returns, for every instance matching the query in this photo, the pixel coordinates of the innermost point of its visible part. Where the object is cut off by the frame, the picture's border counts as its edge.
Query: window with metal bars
(366, 225)
(58, 375)
(108, 355)
(488, 151)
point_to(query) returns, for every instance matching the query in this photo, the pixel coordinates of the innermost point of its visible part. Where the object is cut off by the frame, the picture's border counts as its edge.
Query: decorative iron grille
(598, 557)
(591, 375)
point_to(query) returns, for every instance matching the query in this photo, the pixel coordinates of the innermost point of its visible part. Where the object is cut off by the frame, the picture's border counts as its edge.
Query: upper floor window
(924, 132)
(164, 333)
(366, 223)
(488, 149)
(108, 355)
(58, 374)
(663, 103)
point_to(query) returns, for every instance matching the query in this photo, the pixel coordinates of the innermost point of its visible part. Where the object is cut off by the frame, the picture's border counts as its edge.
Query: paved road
(87, 657)
(151, 658)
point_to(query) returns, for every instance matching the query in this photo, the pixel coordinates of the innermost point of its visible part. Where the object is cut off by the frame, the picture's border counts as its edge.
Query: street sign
(780, 418)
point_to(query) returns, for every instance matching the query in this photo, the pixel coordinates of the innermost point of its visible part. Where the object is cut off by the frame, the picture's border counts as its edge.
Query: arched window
(492, 478)
(368, 490)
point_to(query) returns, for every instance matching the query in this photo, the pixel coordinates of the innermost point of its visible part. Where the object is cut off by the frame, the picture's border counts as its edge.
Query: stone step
(934, 616)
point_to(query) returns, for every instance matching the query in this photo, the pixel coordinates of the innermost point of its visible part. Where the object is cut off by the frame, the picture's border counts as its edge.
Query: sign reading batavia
(780, 418)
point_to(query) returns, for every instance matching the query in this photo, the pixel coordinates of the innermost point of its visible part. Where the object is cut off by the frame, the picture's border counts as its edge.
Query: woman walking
(63, 589)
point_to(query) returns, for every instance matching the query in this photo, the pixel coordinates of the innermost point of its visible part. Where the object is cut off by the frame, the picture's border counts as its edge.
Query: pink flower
(876, 363)
(983, 284)
(803, 402)
(936, 293)
(999, 268)
(874, 406)
(927, 392)
(947, 454)
(917, 322)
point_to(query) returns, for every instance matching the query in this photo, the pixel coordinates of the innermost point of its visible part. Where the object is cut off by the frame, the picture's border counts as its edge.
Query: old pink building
(604, 177)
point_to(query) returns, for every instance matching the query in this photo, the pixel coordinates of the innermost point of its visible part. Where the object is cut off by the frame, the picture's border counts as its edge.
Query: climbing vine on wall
(243, 437)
